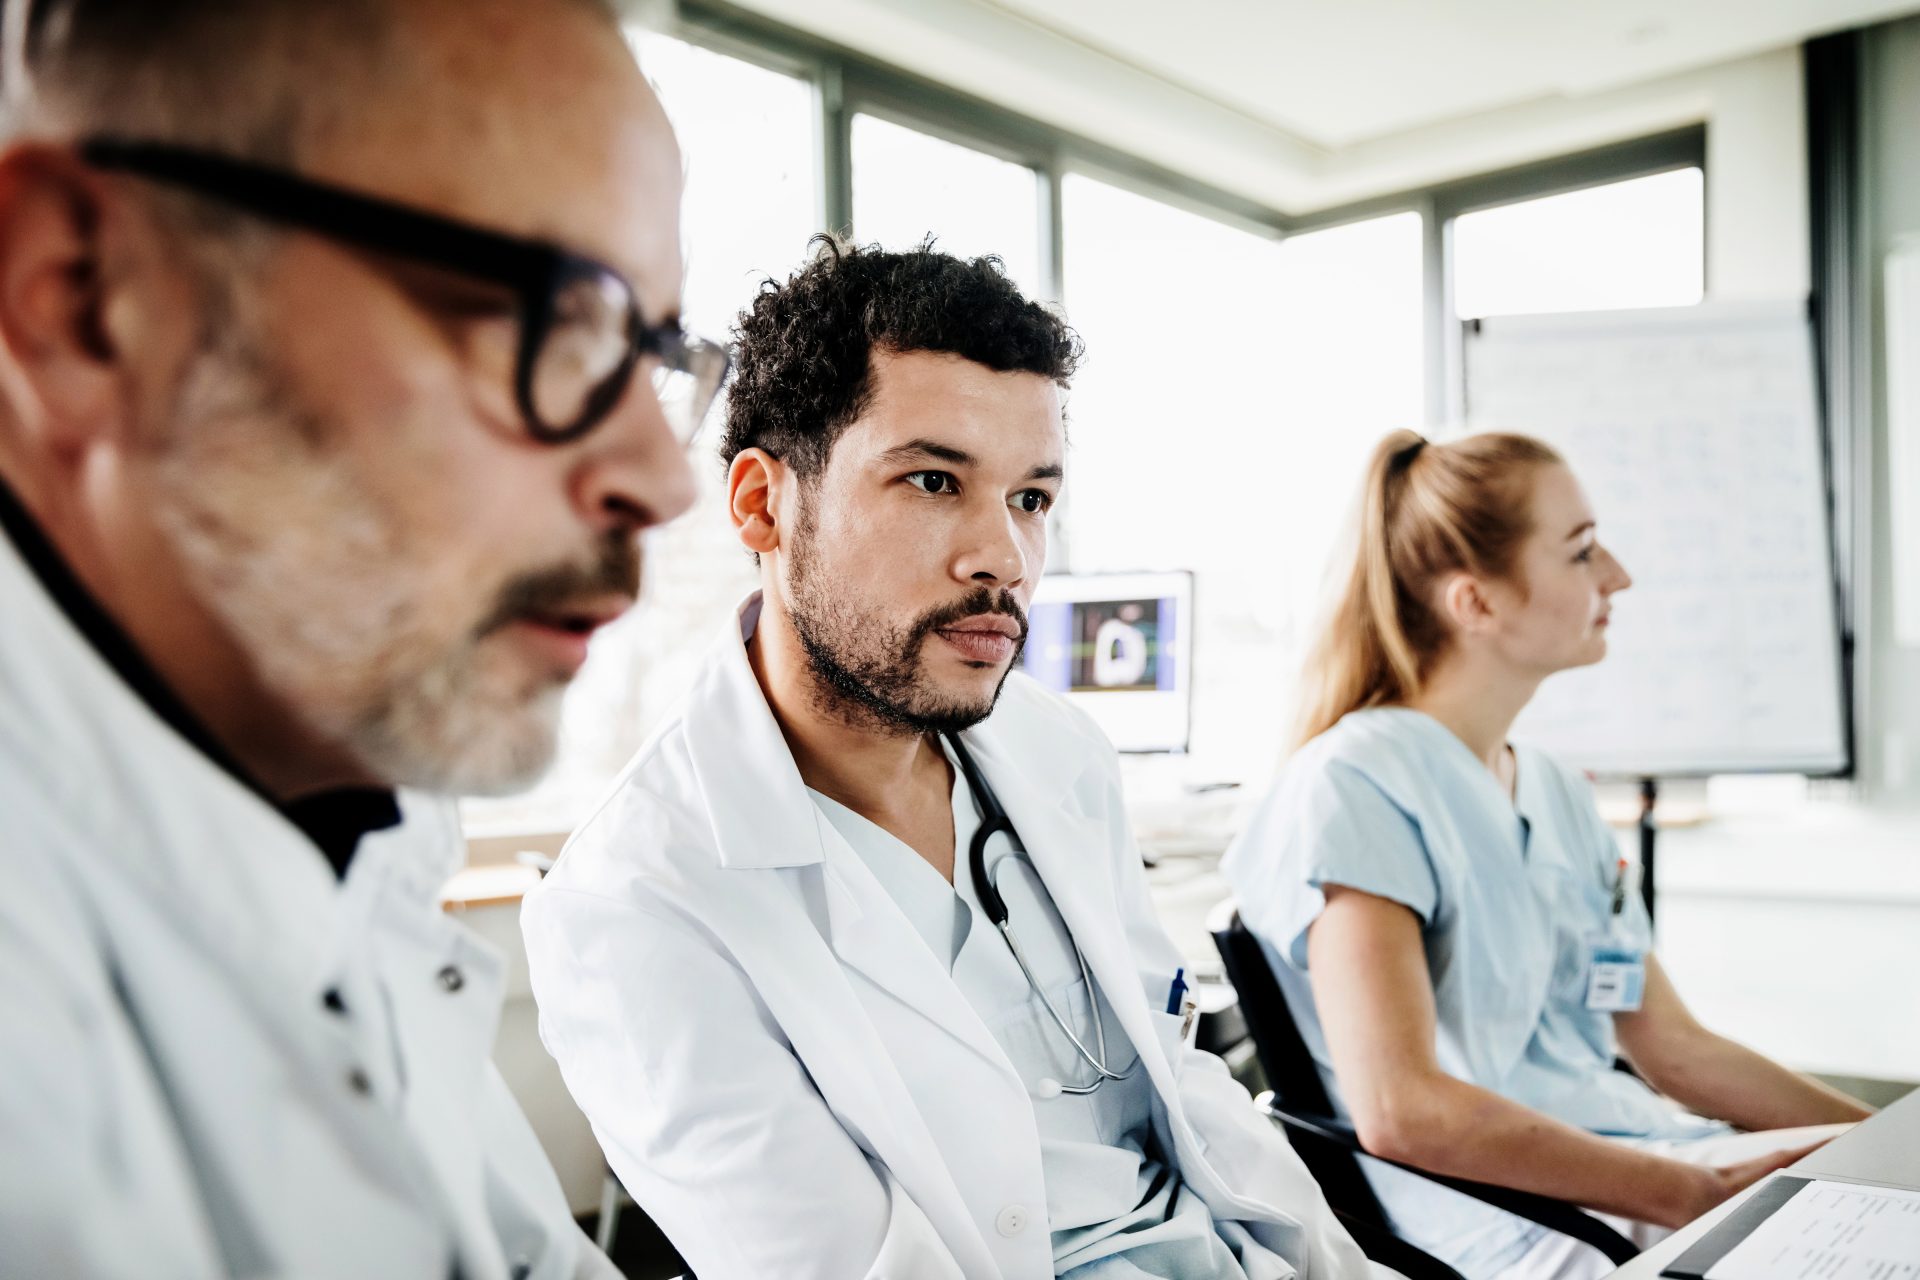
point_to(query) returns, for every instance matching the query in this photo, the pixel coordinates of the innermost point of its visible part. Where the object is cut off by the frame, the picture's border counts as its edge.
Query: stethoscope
(994, 820)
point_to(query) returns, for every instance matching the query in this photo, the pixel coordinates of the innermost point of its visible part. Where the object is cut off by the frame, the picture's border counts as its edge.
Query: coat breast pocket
(1167, 1030)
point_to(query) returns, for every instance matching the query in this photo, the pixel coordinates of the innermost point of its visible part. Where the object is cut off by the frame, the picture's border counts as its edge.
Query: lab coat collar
(162, 819)
(746, 772)
(335, 820)
(763, 818)
(754, 793)
(870, 933)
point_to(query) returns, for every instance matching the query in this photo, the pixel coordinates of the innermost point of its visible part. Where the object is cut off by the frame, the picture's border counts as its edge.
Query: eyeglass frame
(534, 270)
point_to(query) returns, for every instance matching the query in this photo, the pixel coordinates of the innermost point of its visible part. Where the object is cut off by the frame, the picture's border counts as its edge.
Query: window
(1638, 243)
(1348, 368)
(1233, 386)
(751, 202)
(908, 185)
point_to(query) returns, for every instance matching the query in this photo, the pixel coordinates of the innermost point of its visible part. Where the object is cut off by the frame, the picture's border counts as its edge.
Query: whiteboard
(1695, 432)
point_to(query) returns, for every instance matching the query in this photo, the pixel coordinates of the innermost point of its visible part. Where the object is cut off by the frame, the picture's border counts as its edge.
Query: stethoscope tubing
(993, 821)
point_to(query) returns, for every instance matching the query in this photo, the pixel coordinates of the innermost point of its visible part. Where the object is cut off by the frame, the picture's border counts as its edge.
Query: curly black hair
(802, 351)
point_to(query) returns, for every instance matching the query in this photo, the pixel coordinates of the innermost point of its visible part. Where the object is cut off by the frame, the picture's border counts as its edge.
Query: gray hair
(250, 77)
(254, 78)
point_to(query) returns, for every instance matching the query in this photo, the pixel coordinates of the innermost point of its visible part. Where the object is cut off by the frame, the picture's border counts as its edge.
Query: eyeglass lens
(687, 381)
(587, 345)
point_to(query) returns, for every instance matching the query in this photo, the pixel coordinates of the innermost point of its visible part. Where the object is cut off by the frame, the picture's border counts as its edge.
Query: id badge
(1616, 976)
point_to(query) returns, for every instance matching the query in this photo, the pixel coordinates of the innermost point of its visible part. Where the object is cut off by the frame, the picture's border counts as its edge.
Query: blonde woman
(1445, 908)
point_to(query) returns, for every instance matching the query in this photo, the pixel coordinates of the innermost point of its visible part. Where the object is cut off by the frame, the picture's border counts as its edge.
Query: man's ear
(755, 480)
(58, 364)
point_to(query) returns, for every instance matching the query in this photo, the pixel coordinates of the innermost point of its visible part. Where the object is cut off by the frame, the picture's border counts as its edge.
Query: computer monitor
(1120, 646)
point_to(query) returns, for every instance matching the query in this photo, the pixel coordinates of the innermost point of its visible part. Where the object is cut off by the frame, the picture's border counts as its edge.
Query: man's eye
(1034, 501)
(933, 482)
(1584, 554)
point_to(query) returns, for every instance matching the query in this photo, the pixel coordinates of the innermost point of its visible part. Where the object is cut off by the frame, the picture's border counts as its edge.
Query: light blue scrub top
(1510, 894)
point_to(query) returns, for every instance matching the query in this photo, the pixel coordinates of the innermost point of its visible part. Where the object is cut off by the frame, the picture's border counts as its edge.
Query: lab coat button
(1012, 1220)
(358, 1082)
(452, 979)
(333, 1001)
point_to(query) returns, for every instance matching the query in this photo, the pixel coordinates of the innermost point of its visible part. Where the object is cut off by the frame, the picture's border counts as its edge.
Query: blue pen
(1178, 991)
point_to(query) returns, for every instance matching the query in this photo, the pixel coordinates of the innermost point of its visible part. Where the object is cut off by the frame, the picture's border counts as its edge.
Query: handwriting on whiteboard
(1695, 433)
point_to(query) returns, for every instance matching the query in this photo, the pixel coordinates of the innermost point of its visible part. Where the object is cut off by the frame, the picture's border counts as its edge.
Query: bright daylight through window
(751, 202)
(908, 185)
(1638, 243)
(1233, 385)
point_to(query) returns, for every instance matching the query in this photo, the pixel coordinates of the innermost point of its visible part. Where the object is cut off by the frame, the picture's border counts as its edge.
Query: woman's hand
(1718, 1184)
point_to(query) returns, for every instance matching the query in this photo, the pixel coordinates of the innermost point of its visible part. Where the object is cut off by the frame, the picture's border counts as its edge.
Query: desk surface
(498, 885)
(1885, 1148)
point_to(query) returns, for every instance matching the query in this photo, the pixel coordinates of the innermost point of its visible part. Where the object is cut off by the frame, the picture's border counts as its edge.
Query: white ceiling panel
(1336, 72)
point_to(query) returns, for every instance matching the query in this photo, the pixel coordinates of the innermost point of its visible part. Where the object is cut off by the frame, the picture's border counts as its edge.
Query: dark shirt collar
(334, 820)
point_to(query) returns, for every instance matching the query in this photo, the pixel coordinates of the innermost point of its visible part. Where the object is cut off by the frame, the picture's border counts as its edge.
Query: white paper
(1832, 1231)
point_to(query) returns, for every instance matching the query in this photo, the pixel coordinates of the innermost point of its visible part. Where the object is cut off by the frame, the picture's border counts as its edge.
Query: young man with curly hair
(855, 972)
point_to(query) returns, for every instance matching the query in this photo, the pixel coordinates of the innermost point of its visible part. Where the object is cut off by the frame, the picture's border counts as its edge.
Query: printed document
(1832, 1231)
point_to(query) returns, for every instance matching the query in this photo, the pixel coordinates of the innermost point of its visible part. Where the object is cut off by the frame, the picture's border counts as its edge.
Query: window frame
(847, 83)
(1582, 171)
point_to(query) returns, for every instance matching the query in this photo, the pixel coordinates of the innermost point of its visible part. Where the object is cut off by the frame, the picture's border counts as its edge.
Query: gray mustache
(616, 571)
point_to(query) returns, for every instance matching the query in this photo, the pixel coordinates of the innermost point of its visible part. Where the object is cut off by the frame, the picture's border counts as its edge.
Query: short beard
(312, 576)
(867, 674)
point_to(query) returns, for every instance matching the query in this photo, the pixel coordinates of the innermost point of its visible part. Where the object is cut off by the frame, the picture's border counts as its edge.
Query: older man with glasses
(339, 373)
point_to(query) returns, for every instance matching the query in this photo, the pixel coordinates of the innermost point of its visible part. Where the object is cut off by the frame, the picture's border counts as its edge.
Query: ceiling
(1304, 105)
(1337, 72)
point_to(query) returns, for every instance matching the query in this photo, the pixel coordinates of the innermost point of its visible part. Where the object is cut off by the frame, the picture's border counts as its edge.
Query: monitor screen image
(1120, 646)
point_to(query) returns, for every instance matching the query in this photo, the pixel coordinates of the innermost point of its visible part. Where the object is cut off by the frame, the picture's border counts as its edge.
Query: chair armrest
(1390, 1250)
(1555, 1215)
(1319, 1125)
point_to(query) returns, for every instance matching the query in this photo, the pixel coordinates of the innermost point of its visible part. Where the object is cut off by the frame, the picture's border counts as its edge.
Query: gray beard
(301, 565)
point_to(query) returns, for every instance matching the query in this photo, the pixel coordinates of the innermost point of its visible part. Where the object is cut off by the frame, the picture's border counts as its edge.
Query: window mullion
(833, 149)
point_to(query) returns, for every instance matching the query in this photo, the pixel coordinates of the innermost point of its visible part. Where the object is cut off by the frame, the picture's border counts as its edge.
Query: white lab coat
(777, 1065)
(176, 1100)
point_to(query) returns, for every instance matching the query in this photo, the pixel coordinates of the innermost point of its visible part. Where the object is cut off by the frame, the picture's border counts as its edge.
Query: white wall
(1893, 208)
(1757, 231)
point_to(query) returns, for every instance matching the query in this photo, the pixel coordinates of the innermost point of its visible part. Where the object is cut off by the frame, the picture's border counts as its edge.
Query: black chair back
(1290, 1070)
(1328, 1146)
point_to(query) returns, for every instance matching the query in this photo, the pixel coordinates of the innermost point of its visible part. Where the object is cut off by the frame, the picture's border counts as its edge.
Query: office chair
(1328, 1146)
(1389, 1250)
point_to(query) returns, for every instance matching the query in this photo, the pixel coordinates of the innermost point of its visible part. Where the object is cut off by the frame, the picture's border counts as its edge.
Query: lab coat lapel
(1073, 854)
(763, 818)
(871, 934)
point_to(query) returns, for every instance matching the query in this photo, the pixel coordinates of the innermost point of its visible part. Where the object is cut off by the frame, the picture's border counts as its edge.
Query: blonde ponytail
(1426, 510)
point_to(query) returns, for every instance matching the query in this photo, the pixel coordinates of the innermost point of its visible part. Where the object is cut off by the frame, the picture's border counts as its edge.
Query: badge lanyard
(1616, 968)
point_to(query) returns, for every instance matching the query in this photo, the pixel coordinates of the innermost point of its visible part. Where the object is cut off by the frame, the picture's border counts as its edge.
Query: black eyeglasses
(581, 332)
